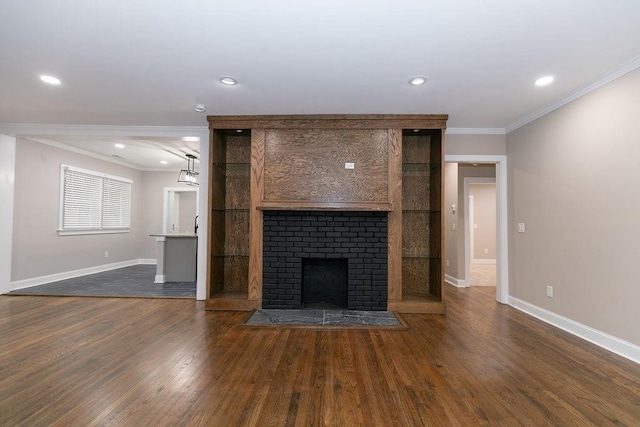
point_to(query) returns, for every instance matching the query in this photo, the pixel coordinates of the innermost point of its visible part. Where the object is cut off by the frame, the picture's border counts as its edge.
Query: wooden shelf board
(412, 303)
(231, 301)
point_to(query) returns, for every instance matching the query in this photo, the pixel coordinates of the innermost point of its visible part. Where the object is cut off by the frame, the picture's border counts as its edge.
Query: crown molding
(476, 131)
(87, 153)
(590, 87)
(17, 129)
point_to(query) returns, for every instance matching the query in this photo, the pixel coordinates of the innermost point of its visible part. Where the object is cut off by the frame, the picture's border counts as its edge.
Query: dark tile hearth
(134, 281)
(323, 318)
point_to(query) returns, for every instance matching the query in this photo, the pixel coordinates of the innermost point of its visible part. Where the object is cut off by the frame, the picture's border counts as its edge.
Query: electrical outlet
(106, 254)
(349, 165)
(550, 291)
(521, 227)
(486, 251)
(454, 226)
(447, 263)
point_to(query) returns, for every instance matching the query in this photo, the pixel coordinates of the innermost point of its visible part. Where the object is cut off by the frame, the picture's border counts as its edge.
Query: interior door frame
(502, 225)
(166, 199)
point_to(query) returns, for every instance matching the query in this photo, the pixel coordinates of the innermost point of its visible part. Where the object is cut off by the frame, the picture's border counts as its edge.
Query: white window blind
(93, 202)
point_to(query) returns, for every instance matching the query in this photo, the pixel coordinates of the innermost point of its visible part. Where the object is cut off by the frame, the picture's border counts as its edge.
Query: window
(92, 202)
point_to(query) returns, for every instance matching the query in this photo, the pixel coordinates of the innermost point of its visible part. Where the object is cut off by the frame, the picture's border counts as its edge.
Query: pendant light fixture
(189, 175)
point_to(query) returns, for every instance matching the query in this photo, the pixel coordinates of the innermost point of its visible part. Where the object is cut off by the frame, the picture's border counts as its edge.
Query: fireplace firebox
(324, 283)
(295, 241)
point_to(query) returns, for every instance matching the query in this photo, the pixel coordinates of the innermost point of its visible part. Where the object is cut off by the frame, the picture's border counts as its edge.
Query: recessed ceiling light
(543, 81)
(200, 108)
(229, 81)
(119, 145)
(418, 80)
(164, 162)
(416, 130)
(239, 130)
(191, 138)
(50, 79)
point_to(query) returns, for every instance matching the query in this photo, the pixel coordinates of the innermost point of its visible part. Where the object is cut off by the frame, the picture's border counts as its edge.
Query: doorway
(180, 210)
(500, 162)
(480, 231)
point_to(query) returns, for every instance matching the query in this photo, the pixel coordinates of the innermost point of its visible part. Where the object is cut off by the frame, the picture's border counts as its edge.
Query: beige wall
(475, 144)
(573, 178)
(484, 218)
(451, 218)
(467, 171)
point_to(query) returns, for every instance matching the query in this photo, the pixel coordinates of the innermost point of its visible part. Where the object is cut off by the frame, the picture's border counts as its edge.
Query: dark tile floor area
(134, 281)
(323, 317)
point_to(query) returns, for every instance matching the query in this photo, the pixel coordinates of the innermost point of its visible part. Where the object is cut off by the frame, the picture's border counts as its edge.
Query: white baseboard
(148, 261)
(483, 261)
(455, 282)
(41, 280)
(608, 342)
(159, 278)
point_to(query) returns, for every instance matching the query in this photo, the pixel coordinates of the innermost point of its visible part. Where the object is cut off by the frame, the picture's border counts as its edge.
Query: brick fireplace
(293, 239)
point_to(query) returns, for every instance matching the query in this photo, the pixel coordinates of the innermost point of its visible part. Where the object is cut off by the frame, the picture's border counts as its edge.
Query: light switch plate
(521, 227)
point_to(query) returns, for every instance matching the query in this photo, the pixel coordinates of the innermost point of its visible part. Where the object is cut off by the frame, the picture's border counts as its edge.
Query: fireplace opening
(324, 283)
(357, 240)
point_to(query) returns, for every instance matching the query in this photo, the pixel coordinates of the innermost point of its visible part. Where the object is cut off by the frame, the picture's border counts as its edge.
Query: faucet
(195, 225)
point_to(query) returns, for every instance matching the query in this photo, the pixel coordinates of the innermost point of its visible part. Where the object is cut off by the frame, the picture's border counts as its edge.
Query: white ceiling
(147, 62)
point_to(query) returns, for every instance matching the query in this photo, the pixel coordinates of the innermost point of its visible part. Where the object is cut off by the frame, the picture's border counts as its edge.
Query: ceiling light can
(417, 80)
(228, 80)
(50, 79)
(543, 81)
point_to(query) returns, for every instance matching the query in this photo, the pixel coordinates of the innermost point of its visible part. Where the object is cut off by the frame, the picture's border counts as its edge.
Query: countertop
(185, 235)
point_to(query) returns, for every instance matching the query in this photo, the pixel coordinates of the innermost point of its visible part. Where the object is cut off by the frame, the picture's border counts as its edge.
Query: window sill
(82, 232)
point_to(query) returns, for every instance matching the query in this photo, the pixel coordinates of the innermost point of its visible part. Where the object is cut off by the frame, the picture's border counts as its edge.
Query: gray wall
(188, 211)
(573, 178)
(37, 250)
(153, 184)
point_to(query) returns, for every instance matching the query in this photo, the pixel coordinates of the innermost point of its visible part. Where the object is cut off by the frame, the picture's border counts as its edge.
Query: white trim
(502, 226)
(455, 282)
(148, 261)
(608, 342)
(475, 131)
(485, 261)
(582, 91)
(7, 188)
(41, 280)
(203, 220)
(84, 152)
(159, 278)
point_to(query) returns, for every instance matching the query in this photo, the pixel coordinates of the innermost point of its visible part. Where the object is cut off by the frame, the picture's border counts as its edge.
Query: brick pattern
(359, 237)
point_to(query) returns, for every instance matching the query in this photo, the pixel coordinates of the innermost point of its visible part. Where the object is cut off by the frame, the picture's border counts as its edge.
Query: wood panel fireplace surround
(342, 210)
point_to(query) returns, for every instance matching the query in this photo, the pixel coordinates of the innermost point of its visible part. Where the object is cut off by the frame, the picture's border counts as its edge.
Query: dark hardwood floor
(102, 361)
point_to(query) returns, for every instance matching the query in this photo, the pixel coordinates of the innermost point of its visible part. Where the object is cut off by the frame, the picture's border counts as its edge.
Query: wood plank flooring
(101, 361)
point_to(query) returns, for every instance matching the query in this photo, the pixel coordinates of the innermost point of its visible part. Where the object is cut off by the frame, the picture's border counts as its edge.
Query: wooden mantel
(261, 163)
